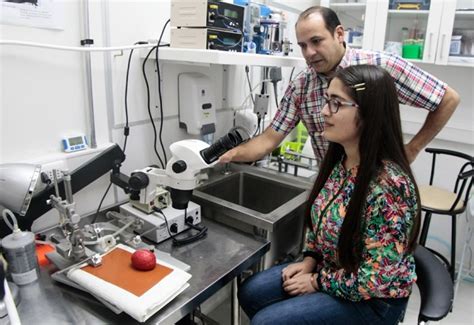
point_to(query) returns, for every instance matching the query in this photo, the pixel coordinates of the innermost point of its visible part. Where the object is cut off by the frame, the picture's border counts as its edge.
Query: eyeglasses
(335, 103)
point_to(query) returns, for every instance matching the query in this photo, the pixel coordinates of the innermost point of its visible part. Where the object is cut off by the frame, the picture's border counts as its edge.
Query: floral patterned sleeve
(310, 241)
(386, 269)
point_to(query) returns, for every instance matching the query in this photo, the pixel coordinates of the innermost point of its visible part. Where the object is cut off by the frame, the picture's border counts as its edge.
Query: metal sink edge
(268, 221)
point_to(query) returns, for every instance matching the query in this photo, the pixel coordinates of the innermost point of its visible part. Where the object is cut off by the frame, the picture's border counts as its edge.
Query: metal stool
(435, 200)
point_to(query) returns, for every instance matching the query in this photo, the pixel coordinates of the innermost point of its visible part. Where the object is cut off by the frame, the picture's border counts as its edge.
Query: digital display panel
(229, 41)
(231, 13)
(75, 141)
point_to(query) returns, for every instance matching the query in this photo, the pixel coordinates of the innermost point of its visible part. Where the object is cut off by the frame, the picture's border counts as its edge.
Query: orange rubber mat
(117, 269)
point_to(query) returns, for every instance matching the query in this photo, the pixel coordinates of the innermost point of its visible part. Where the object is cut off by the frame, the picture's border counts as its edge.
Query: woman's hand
(299, 285)
(297, 269)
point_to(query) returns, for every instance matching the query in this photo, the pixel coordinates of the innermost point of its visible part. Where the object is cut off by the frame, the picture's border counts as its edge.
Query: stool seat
(436, 198)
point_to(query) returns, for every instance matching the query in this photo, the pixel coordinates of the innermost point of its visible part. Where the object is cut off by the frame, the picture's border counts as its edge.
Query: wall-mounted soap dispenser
(197, 111)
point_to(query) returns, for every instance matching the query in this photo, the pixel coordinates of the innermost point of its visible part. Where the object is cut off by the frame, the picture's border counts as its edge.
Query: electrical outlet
(48, 168)
(261, 105)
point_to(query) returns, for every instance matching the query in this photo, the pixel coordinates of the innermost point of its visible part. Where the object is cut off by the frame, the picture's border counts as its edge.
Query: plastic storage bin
(411, 51)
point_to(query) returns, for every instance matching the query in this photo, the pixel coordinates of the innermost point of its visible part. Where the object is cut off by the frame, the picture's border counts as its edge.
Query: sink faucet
(226, 170)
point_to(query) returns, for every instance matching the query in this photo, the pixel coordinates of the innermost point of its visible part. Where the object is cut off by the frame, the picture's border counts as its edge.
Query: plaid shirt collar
(346, 59)
(345, 62)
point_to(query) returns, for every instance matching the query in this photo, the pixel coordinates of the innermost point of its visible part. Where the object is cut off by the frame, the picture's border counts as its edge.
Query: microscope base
(175, 219)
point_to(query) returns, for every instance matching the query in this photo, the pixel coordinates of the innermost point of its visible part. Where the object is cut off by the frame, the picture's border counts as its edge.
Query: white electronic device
(76, 143)
(175, 218)
(215, 14)
(206, 38)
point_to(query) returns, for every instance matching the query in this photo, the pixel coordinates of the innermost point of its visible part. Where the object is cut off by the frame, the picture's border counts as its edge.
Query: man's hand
(228, 156)
(254, 149)
(299, 285)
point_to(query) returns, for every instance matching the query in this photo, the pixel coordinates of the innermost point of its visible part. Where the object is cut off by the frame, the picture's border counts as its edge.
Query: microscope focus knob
(179, 166)
(138, 180)
(174, 228)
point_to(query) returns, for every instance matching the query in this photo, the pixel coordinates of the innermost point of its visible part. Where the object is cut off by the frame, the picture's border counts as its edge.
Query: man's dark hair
(330, 18)
(380, 139)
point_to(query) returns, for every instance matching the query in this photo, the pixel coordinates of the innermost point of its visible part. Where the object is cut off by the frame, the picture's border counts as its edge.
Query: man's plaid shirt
(303, 99)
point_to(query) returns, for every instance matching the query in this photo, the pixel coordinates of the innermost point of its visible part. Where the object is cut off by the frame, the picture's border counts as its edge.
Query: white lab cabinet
(457, 20)
(434, 23)
(435, 26)
(356, 16)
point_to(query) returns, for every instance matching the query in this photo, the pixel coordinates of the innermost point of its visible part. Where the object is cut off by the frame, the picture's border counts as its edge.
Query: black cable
(159, 91)
(263, 90)
(258, 127)
(101, 201)
(250, 84)
(183, 241)
(166, 221)
(291, 74)
(126, 129)
(148, 106)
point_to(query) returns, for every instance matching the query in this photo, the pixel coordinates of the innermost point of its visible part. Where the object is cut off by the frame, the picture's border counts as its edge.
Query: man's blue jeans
(265, 302)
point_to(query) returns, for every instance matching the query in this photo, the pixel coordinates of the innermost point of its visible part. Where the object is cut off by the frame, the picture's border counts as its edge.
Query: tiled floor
(462, 314)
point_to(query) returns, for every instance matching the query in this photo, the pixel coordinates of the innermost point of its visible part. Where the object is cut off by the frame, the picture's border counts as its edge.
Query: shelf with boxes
(211, 32)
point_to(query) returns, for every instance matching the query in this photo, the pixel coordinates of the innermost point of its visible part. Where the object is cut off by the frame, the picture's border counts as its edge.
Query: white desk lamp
(17, 184)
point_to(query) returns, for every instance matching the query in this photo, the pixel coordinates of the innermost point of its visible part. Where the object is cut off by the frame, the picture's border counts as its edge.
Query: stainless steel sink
(259, 201)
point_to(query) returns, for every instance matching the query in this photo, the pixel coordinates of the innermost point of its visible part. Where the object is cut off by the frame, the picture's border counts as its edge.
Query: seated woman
(363, 218)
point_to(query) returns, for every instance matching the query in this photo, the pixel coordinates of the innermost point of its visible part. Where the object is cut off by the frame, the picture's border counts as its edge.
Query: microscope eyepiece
(221, 146)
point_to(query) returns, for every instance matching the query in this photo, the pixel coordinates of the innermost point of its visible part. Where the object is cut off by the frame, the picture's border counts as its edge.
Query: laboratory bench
(215, 261)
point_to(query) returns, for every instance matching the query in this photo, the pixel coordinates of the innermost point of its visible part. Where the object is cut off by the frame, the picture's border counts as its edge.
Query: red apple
(143, 260)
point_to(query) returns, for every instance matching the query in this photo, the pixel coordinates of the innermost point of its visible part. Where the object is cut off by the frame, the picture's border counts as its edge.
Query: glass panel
(406, 29)
(462, 40)
(352, 16)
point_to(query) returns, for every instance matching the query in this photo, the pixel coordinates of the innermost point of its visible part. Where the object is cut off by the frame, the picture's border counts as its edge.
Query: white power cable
(242, 107)
(75, 48)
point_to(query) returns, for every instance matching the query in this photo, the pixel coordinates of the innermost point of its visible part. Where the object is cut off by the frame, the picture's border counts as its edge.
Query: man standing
(320, 36)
